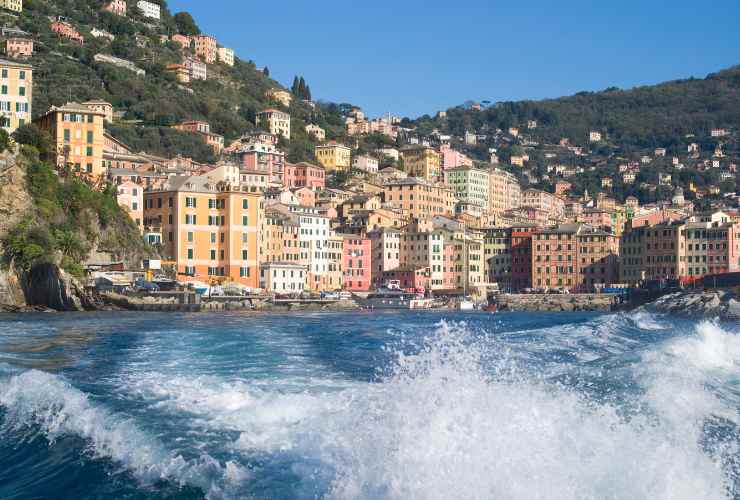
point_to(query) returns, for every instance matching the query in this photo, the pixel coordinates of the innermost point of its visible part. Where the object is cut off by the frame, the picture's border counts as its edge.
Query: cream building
(275, 121)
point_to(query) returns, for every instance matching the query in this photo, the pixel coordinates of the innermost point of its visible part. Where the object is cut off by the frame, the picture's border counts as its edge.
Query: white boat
(467, 305)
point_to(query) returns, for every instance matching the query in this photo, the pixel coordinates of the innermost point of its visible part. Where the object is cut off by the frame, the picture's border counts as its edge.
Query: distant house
(206, 48)
(198, 70)
(719, 132)
(66, 30)
(117, 7)
(149, 9)
(18, 48)
(101, 107)
(279, 95)
(204, 130)
(182, 40)
(594, 136)
(14, 5)
(121, 63)
(316, 131)
(98, 33)
(181, 72)
(226, 56)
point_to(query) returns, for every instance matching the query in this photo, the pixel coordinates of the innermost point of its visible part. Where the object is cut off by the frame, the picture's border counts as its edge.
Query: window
(190, 236)
(21, 91)
(5, 73)
(89, 151)
(190, 253)
(245, 220)
(21, 75)
(90, 119)
(89, 137)
(244, 255)
(190, 202)
(213, 255)
(245, 204)
(190, 219)
(89, 167)
(66, 135)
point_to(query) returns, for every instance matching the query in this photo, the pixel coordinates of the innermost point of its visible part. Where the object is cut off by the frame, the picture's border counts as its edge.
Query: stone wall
(556, 303)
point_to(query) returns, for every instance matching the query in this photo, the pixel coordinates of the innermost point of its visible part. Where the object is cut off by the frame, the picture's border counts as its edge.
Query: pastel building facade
(275, 121)
(334, 156)
(470, 184)
(16, 94)
(206, 48)
(149, 9)
(226, 55)
(357, 263)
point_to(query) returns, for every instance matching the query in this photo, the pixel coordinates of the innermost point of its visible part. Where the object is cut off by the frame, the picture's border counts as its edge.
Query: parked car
(330, 295)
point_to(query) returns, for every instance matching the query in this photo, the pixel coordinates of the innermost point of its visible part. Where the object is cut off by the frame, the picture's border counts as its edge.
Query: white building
(226, 55)
(197, 70)
(366, 163)
(594, 136)
(149, 9)
(318, 132)
(282, 277)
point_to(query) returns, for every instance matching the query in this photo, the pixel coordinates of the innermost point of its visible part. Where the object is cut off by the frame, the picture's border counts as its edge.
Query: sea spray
(55, 409)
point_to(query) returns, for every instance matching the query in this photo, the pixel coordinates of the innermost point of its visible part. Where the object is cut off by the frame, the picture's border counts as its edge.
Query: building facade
(275, 121)
(16, 95)
(334, 157)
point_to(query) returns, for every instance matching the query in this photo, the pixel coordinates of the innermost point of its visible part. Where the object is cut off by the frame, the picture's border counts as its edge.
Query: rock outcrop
(692, 304)
(555, 303)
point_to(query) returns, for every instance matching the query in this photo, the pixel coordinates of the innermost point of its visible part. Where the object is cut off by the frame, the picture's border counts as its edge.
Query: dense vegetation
(644, 117)
(69, 219)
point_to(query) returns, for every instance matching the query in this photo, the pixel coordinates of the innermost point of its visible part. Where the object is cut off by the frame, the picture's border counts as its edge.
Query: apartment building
(197, 70)
(504, 191)
(18, 48)
(452, 158)
(423, 248)
(180, 71)
(265, 158)
(282, 278)
(101, 106)
(366, 163)
(66, 30)
(279, 96)
(12, 5)
(553, 205)
(575, 257)
(203, 129)
(16, 94)
(206, 48)
(317, 132)
(421, 161)
(130, 196)
(304, 174)
(117, 7)
(209, 226)
(149, 9)
(419, 198)
(333, 156)
(385, 247)
(497, 255)
(275, 121)
(226, 56)
(357, 263)
(471, 185)
(521, 256)
(78, 138)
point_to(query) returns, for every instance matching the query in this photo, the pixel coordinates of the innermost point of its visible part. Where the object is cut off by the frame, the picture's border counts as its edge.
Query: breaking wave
(447, 422)
(37, 402)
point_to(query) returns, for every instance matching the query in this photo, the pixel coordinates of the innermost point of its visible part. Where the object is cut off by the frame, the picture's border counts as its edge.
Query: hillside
(643, 117)
(229, 99)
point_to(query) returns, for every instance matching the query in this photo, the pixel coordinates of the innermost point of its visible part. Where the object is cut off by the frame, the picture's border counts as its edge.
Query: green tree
(186, 24)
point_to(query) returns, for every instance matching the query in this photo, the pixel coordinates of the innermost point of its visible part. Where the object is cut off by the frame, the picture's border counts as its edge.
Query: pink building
(265, 158)
(206, 48)
(597, 218)
(357, 263)
(453, 159)
(304, 174)
(448, 267)
(182, 40)
(130, 196)
(411, 277)
(658, 216)
(117, 7)
(19, 48)
(306, 196)
(66, 30)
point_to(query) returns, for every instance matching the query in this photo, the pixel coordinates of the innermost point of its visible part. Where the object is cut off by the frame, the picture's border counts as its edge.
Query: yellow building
(334, 156)
(275, 121)
(77, 132)
(16, 89)
(209, 227)
(421, 161)
(14, 5)
(279, 95)
(419, 198)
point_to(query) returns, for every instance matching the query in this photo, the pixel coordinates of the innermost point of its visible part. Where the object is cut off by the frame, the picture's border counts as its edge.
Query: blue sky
(413, 57)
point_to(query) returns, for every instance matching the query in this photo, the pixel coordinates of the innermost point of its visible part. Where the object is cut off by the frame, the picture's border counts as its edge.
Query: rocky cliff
(50, 229)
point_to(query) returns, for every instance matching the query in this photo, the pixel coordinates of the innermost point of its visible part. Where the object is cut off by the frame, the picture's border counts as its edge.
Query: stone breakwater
(557, 303)
(691, 304)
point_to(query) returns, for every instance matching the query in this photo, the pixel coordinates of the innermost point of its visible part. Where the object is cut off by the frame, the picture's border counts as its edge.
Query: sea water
(409, 405)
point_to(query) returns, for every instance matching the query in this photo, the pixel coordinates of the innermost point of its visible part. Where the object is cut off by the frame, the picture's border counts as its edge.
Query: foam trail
(441, 426)
(58, 409)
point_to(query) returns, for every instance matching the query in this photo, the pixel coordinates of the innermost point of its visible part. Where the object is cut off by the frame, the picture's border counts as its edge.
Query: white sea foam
(58, 409)
(441, 427)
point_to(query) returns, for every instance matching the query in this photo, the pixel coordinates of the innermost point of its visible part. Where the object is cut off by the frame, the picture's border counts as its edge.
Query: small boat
(392, 296)
(467, 305)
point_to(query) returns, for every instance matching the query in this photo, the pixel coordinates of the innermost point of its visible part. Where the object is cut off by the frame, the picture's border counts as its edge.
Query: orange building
(204, 130)
(422, 161)
(78, 136)
(209, 227)
(421, 199)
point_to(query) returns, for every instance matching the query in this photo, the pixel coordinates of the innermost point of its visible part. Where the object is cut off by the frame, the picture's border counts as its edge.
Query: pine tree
(294, 88)
(266, 72)
(308, 93)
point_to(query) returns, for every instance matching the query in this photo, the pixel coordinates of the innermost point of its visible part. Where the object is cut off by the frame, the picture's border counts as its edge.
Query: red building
(304, 174)
(521, 256)
(410, 277)
(357, 263)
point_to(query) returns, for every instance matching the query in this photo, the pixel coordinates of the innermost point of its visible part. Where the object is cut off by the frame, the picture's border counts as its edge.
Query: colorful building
(357, 263)
(419, 198)
(275, 121)
(385, 247)
(333, 156)
(117, 7)
(78, 137)
(471, 185)
(421, 161)
(16, 94)
(209, 227)
(203, 129)
(206, 48)
(282, 278)
(265, 158)
(13, 5)
(130, 196)
(149, 9)
(226, 56)
(66, 30)
(504, 191)
(304, 174)
(18, 48)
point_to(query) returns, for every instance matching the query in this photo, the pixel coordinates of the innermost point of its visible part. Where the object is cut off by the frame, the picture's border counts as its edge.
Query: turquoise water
(405, 405)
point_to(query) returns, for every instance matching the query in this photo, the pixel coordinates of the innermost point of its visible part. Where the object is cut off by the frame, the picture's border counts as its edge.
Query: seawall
(558, 303)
